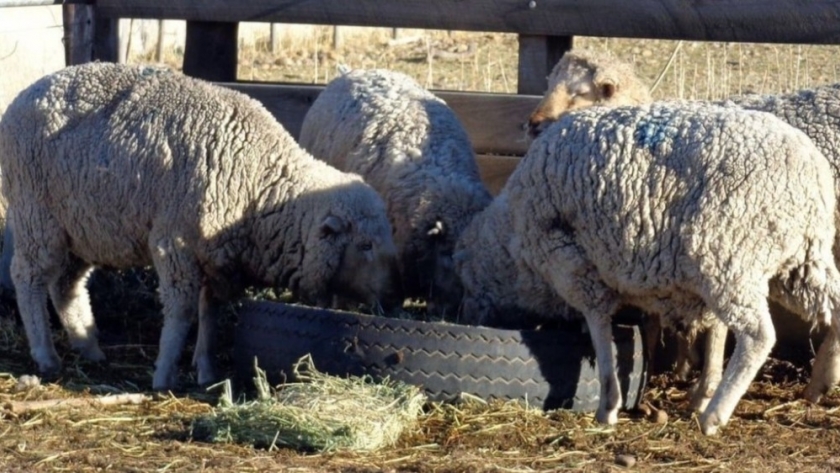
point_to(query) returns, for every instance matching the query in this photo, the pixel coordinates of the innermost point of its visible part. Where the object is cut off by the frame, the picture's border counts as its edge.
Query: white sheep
(409, 146)
(680, 210)
(498, 290)
(107, 164)
(577, 81)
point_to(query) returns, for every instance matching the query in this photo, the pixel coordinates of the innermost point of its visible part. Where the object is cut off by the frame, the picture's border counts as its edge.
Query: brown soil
(772, 430)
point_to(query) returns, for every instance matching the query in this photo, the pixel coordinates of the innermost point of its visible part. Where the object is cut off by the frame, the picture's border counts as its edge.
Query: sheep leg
(71, 300)
(826, 370)
(752, 326)
(179, 288)
(205, 346)
(686, 355)
(32, 305)
(35, 264)
(577, 281)
(600, 331)
(652, 333)
(701, 392)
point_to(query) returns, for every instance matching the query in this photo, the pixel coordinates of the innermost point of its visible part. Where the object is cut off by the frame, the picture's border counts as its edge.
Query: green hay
(321, 413)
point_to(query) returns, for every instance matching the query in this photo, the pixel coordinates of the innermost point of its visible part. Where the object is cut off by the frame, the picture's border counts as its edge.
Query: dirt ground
(772, 429)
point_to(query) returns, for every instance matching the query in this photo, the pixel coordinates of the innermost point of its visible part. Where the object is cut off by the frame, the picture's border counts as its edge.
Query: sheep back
(667, 197)
(410, 146)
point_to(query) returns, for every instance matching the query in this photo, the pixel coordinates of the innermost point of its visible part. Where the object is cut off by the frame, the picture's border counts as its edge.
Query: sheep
(814, 111)
(410, 146)
(497, 291)
(500, 292)
(680, 210)
(122, 166)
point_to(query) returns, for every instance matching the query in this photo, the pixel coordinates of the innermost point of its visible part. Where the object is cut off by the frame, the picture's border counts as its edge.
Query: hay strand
(19, 407)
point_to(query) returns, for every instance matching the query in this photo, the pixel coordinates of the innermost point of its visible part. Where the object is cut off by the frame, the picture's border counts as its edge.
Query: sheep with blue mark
(583, 78)
(685, 211)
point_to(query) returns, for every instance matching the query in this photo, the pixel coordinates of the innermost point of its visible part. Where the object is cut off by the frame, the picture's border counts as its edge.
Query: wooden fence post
(537, 56)
(78, 33)
(210, 52)
(106, 41)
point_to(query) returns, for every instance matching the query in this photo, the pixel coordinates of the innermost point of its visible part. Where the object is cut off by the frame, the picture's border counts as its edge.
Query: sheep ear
(607, 87)
(436, 230)
(332, 225)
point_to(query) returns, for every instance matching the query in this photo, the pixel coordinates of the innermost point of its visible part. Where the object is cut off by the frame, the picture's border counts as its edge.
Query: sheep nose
(534, 125)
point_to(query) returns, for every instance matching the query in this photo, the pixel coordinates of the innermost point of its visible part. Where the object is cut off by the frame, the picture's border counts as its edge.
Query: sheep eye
(367, 246)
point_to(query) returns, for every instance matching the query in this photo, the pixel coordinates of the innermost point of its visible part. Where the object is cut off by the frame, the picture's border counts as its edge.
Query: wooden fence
(545, 29)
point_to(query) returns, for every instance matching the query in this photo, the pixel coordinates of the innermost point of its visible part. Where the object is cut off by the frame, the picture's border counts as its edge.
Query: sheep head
(582, 79)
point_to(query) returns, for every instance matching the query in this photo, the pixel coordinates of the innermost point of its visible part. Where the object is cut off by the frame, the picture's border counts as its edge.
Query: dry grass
(772, 430)
(487, 61)
(320, 413)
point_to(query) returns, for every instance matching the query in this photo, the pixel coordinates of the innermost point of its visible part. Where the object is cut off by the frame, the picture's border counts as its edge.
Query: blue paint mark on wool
(148, 71)
(653, 130)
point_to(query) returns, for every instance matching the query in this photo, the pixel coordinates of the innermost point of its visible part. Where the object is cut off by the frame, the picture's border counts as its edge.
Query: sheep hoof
(814, 392)
(49, 365)
(699, 398)
(93, 353)
(710, 423)
(206, 372)
(607, 417)
(164, 380)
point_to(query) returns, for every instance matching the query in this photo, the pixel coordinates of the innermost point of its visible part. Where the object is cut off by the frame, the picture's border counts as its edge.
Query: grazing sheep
(814, 111)
(409, 146)
(680, 210)
(498, 291)
(120, 166)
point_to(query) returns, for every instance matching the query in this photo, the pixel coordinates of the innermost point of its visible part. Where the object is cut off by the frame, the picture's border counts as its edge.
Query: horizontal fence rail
(493, 121)
(767, 21)
(39, 3)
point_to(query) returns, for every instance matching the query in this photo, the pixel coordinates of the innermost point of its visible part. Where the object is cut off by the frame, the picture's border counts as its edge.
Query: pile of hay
(320, 413)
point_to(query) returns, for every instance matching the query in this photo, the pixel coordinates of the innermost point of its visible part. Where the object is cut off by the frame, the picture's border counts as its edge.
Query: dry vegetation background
(488, 61)
(772, 429)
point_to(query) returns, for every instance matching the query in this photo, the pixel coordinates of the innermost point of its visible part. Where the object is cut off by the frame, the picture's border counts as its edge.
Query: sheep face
(369, 271)
(583, 79)
(351, 260)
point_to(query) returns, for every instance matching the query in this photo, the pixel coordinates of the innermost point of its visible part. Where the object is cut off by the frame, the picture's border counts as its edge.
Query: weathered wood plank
(495, 170)
(78, 33)
(210, 50)
(493, 121)
(106, 32)
(772, 21)
(537, 56)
